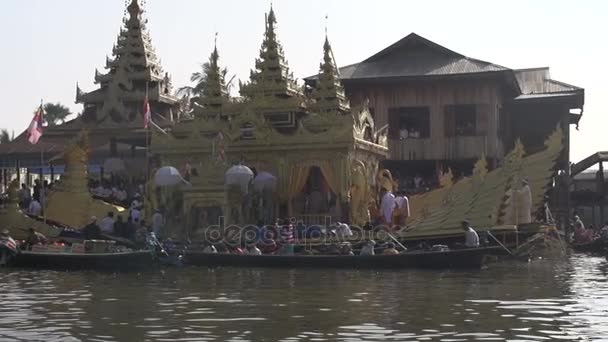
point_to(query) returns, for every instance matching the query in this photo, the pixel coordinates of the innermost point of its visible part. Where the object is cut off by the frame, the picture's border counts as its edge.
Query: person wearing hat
(471, 239)
(8, 247)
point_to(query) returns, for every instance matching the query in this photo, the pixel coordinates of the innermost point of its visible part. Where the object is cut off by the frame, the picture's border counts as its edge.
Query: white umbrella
(167, 176)
(114, 165)
(239, 175)
(265, 180)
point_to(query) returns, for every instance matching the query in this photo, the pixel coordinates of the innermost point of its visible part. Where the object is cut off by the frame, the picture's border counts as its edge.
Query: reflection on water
(565, 300)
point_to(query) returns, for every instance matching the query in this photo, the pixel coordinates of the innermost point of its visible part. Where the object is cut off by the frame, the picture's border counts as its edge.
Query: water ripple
(543, 300)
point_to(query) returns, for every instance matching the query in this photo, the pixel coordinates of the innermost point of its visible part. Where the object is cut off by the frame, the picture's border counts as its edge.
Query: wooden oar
(501, 245)
(397, 241)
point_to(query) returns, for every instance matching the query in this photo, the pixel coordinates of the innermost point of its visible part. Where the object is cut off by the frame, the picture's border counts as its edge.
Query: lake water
(541, 300)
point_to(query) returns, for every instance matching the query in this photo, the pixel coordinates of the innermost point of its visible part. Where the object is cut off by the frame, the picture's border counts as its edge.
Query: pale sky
(49, 45)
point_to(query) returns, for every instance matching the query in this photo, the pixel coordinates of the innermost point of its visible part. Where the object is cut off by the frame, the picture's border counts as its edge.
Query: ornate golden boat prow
(70, 202)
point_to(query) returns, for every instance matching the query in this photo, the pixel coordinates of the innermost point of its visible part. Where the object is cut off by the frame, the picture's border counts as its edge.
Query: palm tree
(5, 137)
(199, 79)
(55, 113)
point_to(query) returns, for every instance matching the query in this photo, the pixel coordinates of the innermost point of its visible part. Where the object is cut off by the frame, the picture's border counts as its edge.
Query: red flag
(34, 131)
(147, 113)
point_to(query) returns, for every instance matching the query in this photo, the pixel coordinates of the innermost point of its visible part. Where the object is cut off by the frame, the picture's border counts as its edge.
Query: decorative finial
(134, 9)
(326, 20)
(215, 40)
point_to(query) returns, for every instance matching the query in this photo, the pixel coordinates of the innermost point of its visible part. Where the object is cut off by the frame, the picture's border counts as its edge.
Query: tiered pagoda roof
(133, 72)
(271, 83)
(214, 92)
(329, 93)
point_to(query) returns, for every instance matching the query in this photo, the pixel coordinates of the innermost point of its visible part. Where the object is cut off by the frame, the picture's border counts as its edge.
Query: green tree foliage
(6, 137)
(199, 78)
(55, 113)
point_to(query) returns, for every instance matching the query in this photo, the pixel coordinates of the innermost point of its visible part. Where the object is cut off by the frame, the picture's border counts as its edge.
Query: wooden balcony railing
(447, 148)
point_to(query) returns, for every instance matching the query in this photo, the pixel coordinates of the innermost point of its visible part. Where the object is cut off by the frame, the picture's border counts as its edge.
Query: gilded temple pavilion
(311, 141)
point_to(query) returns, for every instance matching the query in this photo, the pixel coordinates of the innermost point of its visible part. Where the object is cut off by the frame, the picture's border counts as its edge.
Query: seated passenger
(471, 239)
(210, 249)
(269, 246)
(390, 249)
(253, 250)
(347, 249)
(92, 231)
(34, 238)
(368, 248)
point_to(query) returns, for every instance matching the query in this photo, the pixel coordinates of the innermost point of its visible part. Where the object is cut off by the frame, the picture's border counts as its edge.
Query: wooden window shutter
(450, 121)
(482, 113)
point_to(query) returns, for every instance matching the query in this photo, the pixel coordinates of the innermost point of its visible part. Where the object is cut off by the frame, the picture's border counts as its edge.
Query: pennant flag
(34, 131)
(147, 113)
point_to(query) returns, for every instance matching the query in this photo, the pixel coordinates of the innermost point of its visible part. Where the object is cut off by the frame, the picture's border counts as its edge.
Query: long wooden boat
(84, 261)
(457, 258)
(595, 246)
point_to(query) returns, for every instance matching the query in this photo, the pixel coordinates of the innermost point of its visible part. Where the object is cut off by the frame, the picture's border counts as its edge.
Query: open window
(461, 120)
(409, 122)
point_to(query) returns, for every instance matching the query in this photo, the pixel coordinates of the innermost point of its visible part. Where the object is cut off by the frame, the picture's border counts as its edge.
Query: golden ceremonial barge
(322, 154)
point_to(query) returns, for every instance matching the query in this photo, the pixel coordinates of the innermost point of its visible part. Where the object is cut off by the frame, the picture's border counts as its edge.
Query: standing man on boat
(107, 224)
(525, 200)
(471, 239)
(403, 209)
(158, 223)
(387, 207)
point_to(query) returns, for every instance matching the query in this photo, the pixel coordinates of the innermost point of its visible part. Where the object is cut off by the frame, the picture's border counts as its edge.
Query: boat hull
(597, 246)
(462, 258)
(86, 261)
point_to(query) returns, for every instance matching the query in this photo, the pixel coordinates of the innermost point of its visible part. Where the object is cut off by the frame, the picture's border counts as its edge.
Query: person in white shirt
(387, 206)
(35, 209)
(403, 209)
(343, 230)
(525, 203)
(157, 223)
(417, 181)
(107, 224)
(470, 235)
(368, 248)
(135, 214)
(121, 195)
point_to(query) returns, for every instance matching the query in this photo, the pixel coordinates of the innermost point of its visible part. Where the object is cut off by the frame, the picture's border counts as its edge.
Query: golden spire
(329, 93)
(271, 77)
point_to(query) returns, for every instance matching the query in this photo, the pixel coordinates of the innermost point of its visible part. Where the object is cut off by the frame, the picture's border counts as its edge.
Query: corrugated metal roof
(545, 95)
(415, 56)
(538, 81)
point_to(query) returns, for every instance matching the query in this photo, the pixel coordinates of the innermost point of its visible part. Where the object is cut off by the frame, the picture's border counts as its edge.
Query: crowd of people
(584, 235)
(31, 199)
(417, 184)
(117, 189)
